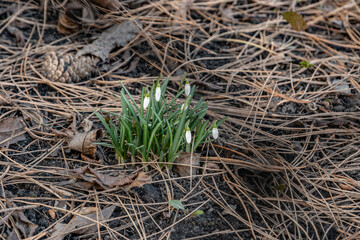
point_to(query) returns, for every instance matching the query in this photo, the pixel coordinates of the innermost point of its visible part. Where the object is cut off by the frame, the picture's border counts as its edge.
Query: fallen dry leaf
(141, 179)
(183, 164)
(81, 225)
(93, 178)
(66, 25)
(81, 141)
(86, 124)
(52, 213)
(296, 20)
(84, 142)
(22, 224)
(116, 36)
(11, 131)
(61, 204)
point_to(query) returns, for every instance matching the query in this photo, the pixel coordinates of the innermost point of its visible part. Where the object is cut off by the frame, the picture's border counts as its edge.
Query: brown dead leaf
(93, 178)
(116, 36)
(22, 224)
(81, 225)
(84, 142)
(81, 141)
(86, 125)
(52, 213)
(66, 25)
(11, 131)
(183, 164)
(141, 179)
(296, 20)
(60, 204)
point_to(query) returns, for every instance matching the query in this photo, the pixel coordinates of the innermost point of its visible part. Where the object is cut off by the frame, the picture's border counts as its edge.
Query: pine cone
(68, 67)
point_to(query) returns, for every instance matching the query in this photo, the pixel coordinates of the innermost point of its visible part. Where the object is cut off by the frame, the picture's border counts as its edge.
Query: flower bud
(187, 88)
(183, 108)
(215, 132)
(157, 93)
(146, 101)
(188, 135)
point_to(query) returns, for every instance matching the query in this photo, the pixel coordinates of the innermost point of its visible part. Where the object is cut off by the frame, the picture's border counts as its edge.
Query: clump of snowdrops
(160, 128)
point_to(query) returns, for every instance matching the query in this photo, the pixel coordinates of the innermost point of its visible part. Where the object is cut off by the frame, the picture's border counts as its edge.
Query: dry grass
(287, 126)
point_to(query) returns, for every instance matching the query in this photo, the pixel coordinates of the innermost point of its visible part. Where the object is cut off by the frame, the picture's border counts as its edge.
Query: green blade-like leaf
(177, 204)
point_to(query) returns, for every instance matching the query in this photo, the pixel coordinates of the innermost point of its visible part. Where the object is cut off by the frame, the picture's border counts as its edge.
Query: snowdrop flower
(187, 88)
(188, 135)
(146, 101)
(182, 107)
(215, 132)
(157, 93)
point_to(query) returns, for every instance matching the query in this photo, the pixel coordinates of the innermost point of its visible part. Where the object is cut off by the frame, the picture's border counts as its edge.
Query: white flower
(187, 88)
(157, 93)
(215, 132)
(182, 107)
(146, 101)
(188, 135)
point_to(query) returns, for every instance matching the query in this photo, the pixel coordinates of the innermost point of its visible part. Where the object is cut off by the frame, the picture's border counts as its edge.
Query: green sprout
(197, 213)
(281, 188)
(160, 128)
(177, 204)
(306, 64)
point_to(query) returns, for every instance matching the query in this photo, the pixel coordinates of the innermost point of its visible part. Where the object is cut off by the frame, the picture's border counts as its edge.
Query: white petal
(157, 94)
(146, 102)
(187, 89)
(188, 136)
(215, 132)
(182, 107)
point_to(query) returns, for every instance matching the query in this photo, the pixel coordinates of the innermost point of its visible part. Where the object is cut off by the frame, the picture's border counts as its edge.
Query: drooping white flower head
(188, 135)
(146, 101)
(187, 88)
(157, 93)
(182, 107)
(215, 132)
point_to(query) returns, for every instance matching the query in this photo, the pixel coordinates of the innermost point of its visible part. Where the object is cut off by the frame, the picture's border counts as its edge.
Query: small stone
(341, 86)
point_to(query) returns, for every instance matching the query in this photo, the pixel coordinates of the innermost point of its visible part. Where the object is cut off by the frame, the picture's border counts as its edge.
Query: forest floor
(286, 164)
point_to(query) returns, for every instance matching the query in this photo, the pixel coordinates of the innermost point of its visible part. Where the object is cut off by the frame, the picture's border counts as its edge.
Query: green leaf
(177, 204)
(197, 213)
(281, 188)
(306, 64)
(296, 20)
